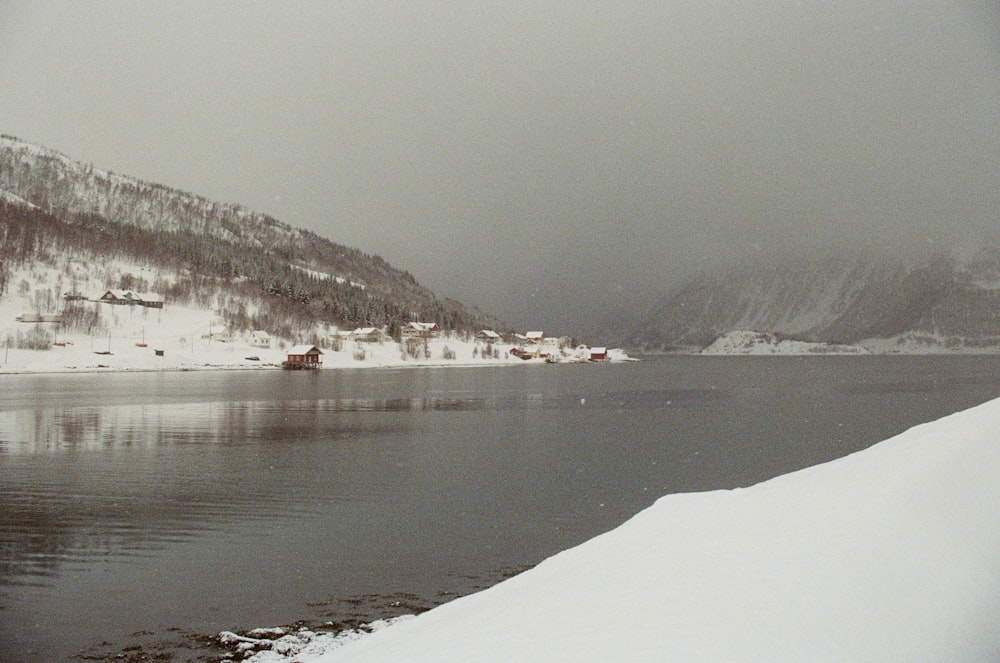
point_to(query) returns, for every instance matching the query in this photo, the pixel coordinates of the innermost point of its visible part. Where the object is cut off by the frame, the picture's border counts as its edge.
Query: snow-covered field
(890, 554)
(185, 346)
(175, 337)
(184, 338)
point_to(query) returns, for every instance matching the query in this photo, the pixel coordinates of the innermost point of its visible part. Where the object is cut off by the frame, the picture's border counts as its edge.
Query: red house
(598, 354)
(303, 357)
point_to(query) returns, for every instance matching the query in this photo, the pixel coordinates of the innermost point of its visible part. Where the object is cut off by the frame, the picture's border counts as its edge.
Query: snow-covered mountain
(946, 301)
(52, 205)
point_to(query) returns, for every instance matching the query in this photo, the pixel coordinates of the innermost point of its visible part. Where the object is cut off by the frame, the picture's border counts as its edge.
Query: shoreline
(66, 360)
(49, 367)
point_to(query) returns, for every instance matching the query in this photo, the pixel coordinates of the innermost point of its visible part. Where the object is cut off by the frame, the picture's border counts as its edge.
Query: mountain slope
(844, 299)
(80, 208)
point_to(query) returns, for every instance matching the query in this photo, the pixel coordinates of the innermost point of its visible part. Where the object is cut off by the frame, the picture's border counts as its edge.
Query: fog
(546, 161)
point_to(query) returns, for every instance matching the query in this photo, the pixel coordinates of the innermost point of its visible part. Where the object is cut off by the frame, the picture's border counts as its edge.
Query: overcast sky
(511, 154)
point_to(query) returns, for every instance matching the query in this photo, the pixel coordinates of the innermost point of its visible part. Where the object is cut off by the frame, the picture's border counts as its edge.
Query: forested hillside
(257, 272)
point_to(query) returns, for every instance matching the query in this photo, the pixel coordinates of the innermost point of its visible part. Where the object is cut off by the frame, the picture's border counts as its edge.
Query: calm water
(150, 508)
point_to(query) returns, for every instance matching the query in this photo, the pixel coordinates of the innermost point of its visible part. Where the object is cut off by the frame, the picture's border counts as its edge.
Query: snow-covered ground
(890, 554)
(186, 346)
(185, 338)
(182, 337)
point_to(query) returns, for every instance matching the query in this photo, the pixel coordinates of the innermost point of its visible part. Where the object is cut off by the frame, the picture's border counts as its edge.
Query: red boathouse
(303, 357)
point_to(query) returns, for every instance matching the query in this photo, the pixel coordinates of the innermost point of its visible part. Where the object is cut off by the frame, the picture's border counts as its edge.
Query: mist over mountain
(949, 300)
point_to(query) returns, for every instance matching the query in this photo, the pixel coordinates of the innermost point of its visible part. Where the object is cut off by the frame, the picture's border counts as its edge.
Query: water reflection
(94, 480)
(49, 430)
(52, 430)
(126, 480)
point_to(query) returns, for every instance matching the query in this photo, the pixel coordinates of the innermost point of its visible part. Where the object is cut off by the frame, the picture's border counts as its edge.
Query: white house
(535, 337)
(420, 330)
(369, 335)
(260, 339)
(218, 333)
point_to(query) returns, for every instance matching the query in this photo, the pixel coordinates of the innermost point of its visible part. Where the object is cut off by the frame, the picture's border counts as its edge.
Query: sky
(546, 161)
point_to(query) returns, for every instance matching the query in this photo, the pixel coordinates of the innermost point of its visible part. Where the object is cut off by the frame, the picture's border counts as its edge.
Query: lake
(142, 512)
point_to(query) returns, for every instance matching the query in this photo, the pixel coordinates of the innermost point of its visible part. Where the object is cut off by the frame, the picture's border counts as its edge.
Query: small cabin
(488, 335)
(303, 357)
(598, 354)
(147, 299)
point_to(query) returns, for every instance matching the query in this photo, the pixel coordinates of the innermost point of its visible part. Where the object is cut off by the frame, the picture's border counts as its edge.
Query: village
(416, 338)
(139, 332)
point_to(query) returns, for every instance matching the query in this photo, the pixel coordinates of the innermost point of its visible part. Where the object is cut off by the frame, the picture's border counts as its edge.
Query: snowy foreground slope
(890, 554)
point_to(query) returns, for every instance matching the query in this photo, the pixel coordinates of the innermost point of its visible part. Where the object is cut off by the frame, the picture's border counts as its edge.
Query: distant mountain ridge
(191, 234)
(846, 299)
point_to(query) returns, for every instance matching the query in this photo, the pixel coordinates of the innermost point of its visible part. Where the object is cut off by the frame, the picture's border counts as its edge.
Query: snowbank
(890, 554)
